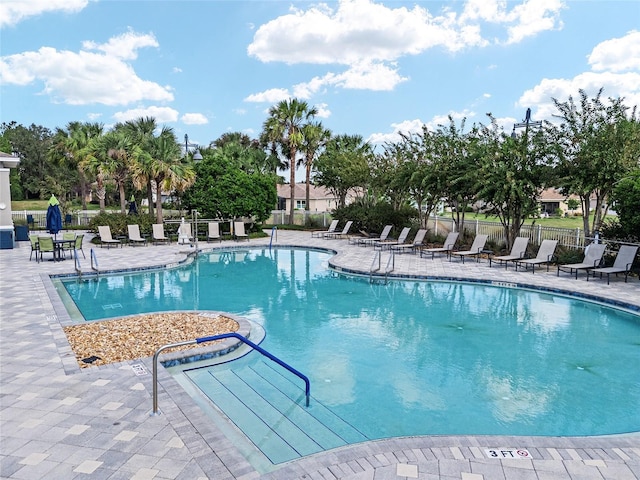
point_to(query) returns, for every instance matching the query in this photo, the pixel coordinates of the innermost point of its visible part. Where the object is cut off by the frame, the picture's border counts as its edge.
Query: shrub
(118, 222)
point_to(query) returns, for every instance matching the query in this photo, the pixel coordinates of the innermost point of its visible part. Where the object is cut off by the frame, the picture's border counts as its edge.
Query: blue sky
(372, 68)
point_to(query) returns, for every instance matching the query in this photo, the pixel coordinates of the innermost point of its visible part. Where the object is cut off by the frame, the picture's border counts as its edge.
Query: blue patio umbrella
(54, 217)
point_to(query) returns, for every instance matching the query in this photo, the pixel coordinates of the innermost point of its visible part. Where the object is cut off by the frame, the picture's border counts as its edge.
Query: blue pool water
(410, 357)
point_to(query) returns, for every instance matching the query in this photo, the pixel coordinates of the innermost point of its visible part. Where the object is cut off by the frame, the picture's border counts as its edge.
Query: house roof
(554, 195)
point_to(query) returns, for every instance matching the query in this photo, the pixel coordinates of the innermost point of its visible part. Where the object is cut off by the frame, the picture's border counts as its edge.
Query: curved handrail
(307, 384)
(77, 263)
(94, 261)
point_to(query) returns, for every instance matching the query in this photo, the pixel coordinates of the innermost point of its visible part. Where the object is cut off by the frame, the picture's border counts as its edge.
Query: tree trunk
(308, 184)
(150, 196)
(292, 181)
(586, 210)
(123, 200)
(83, 188)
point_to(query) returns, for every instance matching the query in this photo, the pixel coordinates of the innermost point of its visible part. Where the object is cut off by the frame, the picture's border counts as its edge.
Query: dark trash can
(22, 233)
(6, 239)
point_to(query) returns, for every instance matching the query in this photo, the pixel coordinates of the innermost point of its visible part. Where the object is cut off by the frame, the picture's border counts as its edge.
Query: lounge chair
(320, 233)
(411, 246)
(104, 231)
(134, 235)
(343, 233)
(372, 240)
(546, 254)
(622, 264)
(157, 234)
(518, 252)
(387, 244)
(184, 233)
(476, 249)
(214, 232)
(446, 248)
(238, 231)
(592, 259)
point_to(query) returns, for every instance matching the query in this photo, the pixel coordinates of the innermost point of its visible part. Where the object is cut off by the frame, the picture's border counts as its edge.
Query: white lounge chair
(387, 244)
(104, 231)
(134, 235)
(158, 233)
(476, 248)
(411, 246)
(214, 232)
(622, 264)
(518, 252)
(592, 259)
(238, 231)
(546, 254)
(320, 233)
(447, 247)
(184, 234)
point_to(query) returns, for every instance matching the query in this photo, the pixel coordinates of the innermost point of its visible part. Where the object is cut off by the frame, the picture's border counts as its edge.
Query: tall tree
(344, 165)
(285, 126)
(70, 146)
(314, 138)
(597, 144)
(512, 175)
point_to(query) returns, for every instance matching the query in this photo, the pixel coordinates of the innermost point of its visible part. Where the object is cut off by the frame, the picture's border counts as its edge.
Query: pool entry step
(268, 404)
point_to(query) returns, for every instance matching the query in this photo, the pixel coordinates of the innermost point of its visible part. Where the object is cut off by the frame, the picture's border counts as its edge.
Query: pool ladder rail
(376, 265)
(94, 262)
(156, 411)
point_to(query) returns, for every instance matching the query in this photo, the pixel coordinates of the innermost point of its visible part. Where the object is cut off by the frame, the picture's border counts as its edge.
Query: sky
(371, 68)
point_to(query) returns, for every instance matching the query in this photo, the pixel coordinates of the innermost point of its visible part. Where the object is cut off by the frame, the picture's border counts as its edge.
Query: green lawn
(557, 222)
(16, 206)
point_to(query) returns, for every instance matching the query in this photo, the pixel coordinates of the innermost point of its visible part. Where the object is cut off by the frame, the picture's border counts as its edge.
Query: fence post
(477, 226)
(577, 237)
(539, 234)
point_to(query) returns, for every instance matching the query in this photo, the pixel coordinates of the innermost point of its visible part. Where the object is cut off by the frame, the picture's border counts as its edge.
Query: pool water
(410, 357)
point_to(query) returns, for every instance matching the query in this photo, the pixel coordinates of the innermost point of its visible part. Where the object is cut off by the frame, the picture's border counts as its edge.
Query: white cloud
(194, 119)
(617, 54)
(323, 110)
(14, 11)
(272, 95)
(161, 114)
(533, 17)
(616, 68)
(85, 77)
(123, 46)
(406, 127)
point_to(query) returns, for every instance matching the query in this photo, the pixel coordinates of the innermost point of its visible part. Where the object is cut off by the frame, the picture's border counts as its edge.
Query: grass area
(18, 205)
(556, 222)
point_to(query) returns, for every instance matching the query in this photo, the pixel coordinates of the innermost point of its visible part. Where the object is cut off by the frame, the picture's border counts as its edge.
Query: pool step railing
(376, 266)
(78, 266)
(222, 336)
(266, 405)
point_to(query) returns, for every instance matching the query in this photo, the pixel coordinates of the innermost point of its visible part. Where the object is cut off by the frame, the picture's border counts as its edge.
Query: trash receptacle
(6, 239)
(22, 233)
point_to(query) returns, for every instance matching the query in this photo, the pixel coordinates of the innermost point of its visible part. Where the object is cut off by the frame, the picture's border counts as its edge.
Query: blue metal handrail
(156, 411)
(274, 230)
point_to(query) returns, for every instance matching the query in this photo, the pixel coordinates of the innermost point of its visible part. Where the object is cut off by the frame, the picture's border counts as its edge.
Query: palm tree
(315, 137)
(142, 130)
(70, 145)
(167, 168)
(284, 126)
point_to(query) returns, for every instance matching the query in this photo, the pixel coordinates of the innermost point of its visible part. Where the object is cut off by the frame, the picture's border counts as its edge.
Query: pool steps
(265, 402)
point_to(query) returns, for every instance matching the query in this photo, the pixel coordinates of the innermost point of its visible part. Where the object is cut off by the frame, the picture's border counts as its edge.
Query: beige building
(552, 200)
(320, 198)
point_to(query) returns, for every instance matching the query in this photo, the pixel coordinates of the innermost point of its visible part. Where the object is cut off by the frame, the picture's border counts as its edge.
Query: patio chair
(70, 237)
(157, 234)
(134, 235)
(77, 247)
(622, 264)
(546, 254)
(104, 231)
(411, 246)
(343, 233)
(45, 245)
(214, 232)
(386, 244)
(33, 240)
(476, 248)
(592, 258)
(238, 231)
(320, 233)
(365, 241)
(447, 247)
(518, 252)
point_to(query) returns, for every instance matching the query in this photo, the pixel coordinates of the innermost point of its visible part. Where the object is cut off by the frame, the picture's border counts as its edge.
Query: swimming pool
(410, 357)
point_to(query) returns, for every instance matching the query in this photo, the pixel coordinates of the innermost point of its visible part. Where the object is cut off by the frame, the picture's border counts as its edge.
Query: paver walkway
(60, 422)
